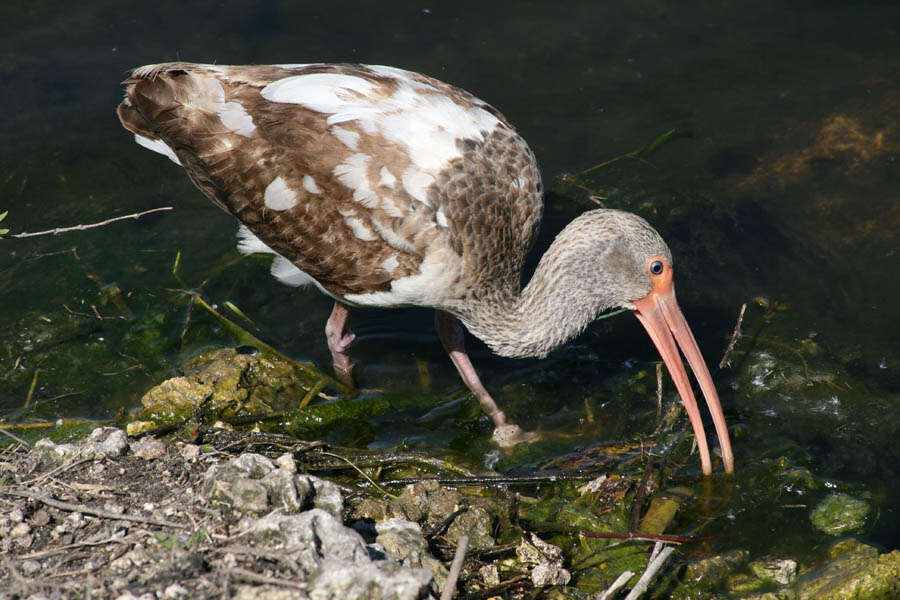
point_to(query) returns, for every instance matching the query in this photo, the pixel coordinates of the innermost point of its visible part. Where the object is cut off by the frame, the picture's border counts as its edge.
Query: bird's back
(384, 186)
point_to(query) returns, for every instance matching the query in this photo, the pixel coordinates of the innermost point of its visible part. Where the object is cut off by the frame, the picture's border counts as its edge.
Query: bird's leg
(452, 335)
(339, 340)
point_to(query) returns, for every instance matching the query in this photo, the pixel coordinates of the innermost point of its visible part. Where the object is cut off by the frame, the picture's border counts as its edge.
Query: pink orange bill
(658, 312)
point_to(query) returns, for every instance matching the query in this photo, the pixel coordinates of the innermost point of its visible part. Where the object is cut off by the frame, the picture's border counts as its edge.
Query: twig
(458, 559)
(648, 537)
(653, 567)
(58, 230)
(363, 473)
(67, 547)
(247, 575)
(618, 584)
(56, 471)
(83, 508)
(492, 480)
(30, 393)
(639, 496)
(734, 336)
(15, 437)
(659, 390)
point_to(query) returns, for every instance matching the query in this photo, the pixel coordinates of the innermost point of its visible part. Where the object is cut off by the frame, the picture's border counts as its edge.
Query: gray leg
(452, 336)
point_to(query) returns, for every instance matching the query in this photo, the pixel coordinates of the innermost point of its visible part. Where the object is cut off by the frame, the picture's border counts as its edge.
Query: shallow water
(780, 182)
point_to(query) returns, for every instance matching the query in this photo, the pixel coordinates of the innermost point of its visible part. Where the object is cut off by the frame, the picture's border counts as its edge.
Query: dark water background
(782, 182)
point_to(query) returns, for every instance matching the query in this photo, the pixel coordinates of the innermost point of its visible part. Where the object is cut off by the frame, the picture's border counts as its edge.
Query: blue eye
(656, 267)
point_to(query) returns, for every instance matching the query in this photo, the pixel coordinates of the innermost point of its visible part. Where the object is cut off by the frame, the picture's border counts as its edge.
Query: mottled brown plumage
(390, 188)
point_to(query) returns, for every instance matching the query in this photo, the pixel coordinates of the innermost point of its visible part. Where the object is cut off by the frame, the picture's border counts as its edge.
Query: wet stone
(856, 571)
(545, 560)
(840, 514)
(710, 572)
(782, 571)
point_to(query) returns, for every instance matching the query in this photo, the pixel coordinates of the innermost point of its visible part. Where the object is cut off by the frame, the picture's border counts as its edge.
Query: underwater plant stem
(58, 230)
(734, 336)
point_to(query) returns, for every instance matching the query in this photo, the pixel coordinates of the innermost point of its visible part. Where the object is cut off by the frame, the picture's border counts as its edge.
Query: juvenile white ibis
(388, 188)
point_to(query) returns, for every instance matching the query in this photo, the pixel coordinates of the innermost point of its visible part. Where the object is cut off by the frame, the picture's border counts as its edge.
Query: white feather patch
(387, 178)
(322, 92)
(437, 275)
(390, 263)
(347, 137)
(416, 184)
(279, 196)
(157, 146)
(359, 229)
(309, 184)
(353, 173)
(236, 118)
(441, 217)
(282, 269)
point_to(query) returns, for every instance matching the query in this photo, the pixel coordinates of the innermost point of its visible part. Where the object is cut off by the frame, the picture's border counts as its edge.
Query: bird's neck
(556, 305)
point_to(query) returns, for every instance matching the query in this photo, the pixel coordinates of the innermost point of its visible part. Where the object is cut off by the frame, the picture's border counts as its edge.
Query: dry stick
(246, 575)
(618, 584)
(83, 508)
(734, 336)
(659, 559)
(458, 559)
(59, 230)
(55, 471)
(659, 390)
(648, 537)
(15, 437)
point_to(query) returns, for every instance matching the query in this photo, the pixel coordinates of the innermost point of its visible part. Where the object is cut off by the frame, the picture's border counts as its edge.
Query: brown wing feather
(349, 242)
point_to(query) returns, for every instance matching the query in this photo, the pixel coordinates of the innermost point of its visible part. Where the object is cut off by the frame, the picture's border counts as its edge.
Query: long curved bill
(658, 312)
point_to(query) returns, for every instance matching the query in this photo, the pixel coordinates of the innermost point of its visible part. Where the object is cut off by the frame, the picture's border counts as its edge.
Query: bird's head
(629, 266)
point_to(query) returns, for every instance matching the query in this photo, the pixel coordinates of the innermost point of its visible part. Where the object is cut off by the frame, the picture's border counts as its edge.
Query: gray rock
(313, 535)
(101, 443)
(325, 494)
(148, 447)
(248, 495)
(336, 560)
(383, 580)
(546, 561)
(283, 491)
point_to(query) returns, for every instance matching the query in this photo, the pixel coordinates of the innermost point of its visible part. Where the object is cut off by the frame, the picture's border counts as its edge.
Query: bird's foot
(509, 435)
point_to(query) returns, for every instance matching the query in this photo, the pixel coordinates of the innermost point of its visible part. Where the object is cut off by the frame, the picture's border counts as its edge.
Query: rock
(404, 541)
(710, 572)
(268, 592)
(855, 572)
(283, 491)
(545, 560)
(224, 382)
(252, 482)
(839, 514)
(782, 571)
(388, 581)
(336, 560)
(286, 461)
(148, 447)
(477, 524)
(101, 443)
(246, 494)
(325, 495)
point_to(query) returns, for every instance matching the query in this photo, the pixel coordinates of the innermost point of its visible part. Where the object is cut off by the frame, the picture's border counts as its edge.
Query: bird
(387, 188)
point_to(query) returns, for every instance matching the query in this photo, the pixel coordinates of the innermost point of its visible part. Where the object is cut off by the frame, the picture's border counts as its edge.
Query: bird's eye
(656, 267)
